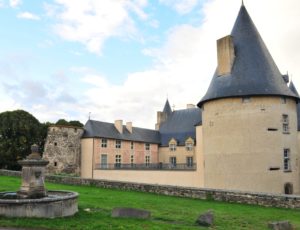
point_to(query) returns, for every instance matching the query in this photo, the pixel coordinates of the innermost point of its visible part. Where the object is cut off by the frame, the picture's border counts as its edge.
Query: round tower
(249, 118)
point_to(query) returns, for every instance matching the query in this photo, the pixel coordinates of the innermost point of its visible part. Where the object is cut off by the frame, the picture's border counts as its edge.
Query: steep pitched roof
(254, 71)
(167, 108)
(293, 88)
(107, 130)
(180, 125)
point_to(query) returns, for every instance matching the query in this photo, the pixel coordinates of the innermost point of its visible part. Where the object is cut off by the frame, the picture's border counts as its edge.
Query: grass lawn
(167, 212)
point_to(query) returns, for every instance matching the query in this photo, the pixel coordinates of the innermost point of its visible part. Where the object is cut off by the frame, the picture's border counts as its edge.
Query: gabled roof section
(107, 130)
(180, 125)
(167, 108)
(254, 72)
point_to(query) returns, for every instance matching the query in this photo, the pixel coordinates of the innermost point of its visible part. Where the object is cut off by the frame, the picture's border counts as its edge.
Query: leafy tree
(76, 123)
(70, 123)
(62, 122)
(18, 131)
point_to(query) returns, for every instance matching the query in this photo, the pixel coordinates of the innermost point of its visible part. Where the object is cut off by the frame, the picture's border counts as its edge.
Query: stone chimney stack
(161, 117)
(226, 56)
(190, 106)
(119, 125)
(129, 126)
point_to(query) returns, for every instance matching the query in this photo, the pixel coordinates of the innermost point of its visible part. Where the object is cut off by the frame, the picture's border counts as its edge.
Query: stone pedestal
(33, 174)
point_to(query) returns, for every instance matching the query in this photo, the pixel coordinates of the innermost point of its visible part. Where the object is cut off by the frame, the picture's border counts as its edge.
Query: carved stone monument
(33, 170)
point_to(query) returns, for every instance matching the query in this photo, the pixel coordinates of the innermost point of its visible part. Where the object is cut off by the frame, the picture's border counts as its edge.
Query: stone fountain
(33, 200)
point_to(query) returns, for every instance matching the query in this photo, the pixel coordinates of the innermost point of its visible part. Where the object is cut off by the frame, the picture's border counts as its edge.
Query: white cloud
(15, 3)
(28, 15)
(92, 22)
(181, 6)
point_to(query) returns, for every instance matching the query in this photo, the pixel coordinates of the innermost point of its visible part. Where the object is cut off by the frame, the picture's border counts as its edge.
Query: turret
(249, 117)
(163, 115)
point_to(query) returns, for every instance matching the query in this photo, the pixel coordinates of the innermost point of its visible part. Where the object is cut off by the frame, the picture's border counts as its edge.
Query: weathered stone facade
(62, 149)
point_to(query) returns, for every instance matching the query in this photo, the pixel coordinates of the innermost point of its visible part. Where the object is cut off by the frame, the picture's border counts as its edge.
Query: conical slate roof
(293, 88)
(167, 108)
(254, 71)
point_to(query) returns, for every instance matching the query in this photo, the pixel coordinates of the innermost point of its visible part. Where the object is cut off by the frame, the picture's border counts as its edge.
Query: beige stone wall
(87, 153)
(62, 149)
(239, 149)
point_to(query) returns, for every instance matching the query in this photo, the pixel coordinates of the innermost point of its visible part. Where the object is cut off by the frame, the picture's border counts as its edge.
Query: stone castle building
(244, 134)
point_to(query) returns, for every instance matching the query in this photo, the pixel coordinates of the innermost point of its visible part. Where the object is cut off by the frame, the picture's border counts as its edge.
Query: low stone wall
(262, 199)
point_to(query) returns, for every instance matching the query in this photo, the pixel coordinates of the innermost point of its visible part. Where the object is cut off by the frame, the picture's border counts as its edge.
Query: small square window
(246, 99)
(172, 147)
(283, 100)
(189, 146)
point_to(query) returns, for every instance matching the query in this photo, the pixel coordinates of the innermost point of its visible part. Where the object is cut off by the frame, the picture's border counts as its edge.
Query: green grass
(167, 212)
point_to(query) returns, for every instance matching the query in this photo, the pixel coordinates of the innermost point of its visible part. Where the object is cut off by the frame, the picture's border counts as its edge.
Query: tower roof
(167, 108)
(293, 88)
(254, 72)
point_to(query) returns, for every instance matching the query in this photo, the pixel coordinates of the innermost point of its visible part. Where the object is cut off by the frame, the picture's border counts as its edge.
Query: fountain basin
(55, 204)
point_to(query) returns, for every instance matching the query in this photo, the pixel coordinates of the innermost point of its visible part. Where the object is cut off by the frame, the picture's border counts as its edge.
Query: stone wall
(62, 149)
(262, 199)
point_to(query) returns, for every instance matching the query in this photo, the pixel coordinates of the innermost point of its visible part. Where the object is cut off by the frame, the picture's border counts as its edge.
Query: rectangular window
(285, 124)
(147, 146)
(246, 99)
(118, 144)
(131, 145)
(118, 161)
(172, 147)
(173, 161)
(189, 161)
(131, 160)
(103, 161)
(104, 143)
(283, 100)
(189, 146)
(147, 160)
(286, 160)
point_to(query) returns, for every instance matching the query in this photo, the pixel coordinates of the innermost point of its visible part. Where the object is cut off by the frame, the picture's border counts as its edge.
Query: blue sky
(119, 59)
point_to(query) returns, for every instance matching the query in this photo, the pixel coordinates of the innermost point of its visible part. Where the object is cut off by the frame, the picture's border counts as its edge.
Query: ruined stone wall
(63, 150)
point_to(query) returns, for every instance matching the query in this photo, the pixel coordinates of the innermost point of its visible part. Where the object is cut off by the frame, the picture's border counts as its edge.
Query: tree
(70, 123)
(18, 131)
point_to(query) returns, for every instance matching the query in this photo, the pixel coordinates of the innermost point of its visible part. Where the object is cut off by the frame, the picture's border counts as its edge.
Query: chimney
(161, 117)
(190, 106)
(119, 125)
(226, 56)
(129, 126)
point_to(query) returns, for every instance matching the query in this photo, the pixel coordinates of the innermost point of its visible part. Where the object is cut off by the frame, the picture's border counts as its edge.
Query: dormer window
(172, 145)
(189, 144)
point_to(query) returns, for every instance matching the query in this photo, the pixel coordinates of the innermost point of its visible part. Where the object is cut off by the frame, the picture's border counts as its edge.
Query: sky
(121, 59)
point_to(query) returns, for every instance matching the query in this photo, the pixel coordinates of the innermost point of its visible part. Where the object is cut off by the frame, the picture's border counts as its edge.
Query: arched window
(288, 188)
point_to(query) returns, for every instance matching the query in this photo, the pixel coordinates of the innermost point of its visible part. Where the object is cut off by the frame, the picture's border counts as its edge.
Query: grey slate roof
(167, 108)
(293, 88)
(180, 125)
(107, 130)
(254, 71)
